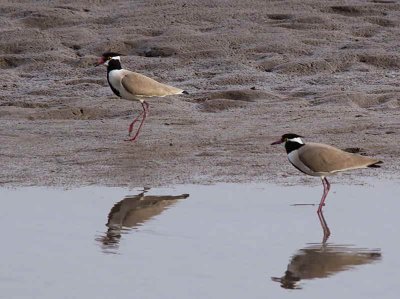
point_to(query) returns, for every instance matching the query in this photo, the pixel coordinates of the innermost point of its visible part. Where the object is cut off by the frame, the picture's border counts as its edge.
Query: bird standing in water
(317, 159)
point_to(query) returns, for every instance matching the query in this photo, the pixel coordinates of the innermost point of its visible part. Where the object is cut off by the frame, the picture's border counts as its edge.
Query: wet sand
(254, 70)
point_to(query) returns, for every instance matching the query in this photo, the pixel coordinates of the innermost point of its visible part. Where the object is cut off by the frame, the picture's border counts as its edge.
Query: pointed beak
(99, 61)
(277, 142)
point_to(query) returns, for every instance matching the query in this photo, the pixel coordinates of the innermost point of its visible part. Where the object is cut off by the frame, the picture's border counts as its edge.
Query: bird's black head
(107, 56)
(287, 137)
(289, 281)
(292, 142)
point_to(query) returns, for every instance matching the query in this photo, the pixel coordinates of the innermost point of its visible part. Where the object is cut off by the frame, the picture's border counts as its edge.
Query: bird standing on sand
(133, 86)
(317, 159)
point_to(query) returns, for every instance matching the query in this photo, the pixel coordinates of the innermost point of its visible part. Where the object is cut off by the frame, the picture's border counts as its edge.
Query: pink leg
(327, 186)
(133, 122)
(144, 112)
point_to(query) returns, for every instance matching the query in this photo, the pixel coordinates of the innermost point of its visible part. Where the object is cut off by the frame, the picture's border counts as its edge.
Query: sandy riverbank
(254, 70)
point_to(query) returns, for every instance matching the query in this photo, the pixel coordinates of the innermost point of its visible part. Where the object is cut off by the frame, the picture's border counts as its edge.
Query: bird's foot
(131, 139)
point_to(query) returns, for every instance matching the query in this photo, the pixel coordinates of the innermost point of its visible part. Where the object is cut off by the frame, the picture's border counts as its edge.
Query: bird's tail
(375, 164)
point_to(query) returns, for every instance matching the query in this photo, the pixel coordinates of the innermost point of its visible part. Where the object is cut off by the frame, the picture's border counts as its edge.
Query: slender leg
(133, 122)
(325, 227)
(145, 111)
(323, 183)
(327, 186)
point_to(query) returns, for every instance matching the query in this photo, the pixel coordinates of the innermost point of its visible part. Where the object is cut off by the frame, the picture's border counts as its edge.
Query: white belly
(115, 78)
(295, 160)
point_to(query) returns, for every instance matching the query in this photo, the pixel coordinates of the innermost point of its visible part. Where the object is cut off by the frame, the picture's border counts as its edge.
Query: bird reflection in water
(132, 212)
(323, 260)
(324, 225)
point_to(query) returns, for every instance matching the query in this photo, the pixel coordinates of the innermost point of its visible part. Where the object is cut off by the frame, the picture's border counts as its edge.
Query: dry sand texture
(256, 69)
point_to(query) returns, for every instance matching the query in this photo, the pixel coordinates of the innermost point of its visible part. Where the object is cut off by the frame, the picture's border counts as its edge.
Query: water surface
(191, 241)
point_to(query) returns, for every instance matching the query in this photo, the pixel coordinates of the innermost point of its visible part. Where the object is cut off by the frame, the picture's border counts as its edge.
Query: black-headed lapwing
(317, 159)
(133, 86)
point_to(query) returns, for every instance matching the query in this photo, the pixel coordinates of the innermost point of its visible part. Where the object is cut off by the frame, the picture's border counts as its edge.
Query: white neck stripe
(114, 57)
(297, 139)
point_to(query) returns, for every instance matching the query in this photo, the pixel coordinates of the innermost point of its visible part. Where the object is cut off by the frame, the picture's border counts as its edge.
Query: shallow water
(223, 241)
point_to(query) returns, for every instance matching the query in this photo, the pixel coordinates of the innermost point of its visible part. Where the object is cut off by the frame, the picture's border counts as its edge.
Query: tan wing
(142, 86)
(325, 158)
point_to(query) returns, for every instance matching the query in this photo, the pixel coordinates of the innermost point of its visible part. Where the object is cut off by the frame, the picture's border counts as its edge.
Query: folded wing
(142, 86)
(324, 158)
